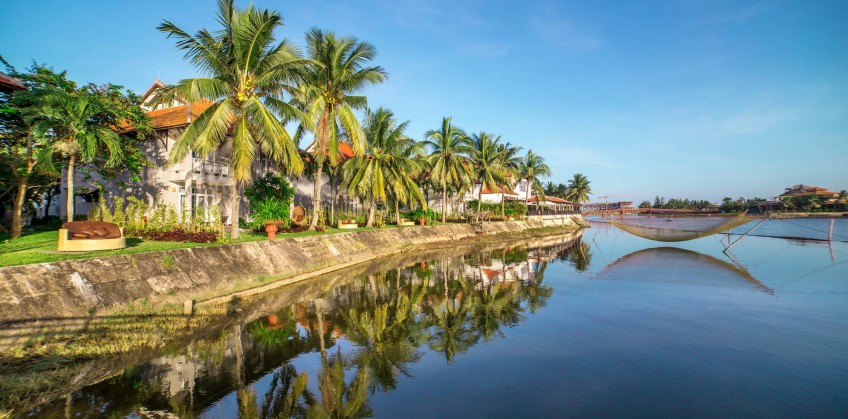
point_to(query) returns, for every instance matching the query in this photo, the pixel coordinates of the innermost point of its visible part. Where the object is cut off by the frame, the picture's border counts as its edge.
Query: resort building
(195, 183)
(804, 190)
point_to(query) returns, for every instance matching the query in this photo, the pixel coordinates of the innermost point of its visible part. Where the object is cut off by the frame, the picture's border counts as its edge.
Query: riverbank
(788, 215)
(58, 360)
(80, 288)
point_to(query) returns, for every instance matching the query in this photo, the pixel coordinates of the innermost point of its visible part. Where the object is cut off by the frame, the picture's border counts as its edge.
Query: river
(607, 325)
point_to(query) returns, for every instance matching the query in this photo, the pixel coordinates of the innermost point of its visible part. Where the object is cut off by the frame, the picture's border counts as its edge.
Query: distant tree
(579, 189)
(450, 149)
(486, 163)
(645, 204)
(531, 169)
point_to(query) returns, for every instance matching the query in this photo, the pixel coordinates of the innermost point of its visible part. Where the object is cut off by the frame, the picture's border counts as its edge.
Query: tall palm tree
(82, 126)
(486, 164)
(246, 73)
(579, 189)
(450, 151)
(386, 168)
(510, 164)
(531, 168)
(338, 68)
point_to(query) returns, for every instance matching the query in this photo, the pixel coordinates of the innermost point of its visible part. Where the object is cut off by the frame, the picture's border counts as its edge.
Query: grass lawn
(37, 246)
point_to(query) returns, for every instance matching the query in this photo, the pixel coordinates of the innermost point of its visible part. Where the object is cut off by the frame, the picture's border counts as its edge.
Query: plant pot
(421, 221)
(271, 229)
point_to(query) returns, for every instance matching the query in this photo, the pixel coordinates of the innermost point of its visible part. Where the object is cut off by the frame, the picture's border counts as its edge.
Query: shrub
(270, 186)
(428, 215)
(164, 223)
(270, 210)
(513, 208)
(179, 235)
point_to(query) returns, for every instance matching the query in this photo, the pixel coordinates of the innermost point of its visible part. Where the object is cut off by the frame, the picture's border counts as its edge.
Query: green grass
(36, 246)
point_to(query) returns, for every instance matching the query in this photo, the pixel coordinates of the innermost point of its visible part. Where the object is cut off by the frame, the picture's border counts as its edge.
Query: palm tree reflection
(387, 322)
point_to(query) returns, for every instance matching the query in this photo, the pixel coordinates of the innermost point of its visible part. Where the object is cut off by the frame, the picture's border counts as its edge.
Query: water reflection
(323, 356)
(680, 266)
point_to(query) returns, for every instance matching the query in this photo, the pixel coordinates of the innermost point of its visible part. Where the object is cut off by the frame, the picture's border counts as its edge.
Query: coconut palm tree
(486, 164)
(578, 189)
(450, 149)
(338, 68)
(510, 164)
(387, 166)
(246, 72)
(531, 168)
(82, 127)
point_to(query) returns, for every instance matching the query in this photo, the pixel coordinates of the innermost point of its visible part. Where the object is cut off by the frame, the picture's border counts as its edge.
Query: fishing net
(678, 229)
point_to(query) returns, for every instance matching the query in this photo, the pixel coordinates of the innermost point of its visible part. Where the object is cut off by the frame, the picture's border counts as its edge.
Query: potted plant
(270, 212)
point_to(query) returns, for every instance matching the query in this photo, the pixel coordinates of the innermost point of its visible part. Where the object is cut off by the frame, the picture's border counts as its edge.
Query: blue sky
(672, 98)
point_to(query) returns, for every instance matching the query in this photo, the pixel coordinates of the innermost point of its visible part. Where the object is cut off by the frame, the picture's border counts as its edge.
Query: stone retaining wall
(75, 287)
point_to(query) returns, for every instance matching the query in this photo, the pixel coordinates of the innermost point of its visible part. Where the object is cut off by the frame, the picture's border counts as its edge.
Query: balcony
(213, 168)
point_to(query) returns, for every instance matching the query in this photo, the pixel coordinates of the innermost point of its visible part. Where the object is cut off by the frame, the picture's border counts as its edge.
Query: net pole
(746, 233)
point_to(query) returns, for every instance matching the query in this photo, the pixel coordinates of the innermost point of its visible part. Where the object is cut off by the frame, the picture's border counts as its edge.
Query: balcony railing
(212, 167)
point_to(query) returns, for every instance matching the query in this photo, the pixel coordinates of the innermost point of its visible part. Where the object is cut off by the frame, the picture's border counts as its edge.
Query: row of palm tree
(577, 190)
(258, 85)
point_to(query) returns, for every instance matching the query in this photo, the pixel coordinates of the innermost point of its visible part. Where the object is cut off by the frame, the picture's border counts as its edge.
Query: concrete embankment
(77, 287)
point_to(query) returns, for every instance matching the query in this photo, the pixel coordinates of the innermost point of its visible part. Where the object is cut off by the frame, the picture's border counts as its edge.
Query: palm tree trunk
(397, 212)
(17, 210)
(234, 210)
(69, 202)
(333, 202)
(316, 197)
(479, 201)
(503, 204)
(370, 214)
(444, 201)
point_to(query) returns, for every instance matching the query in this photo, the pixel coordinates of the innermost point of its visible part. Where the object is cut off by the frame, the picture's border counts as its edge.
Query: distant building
(826, 197)
(803, 190)
(603, 206)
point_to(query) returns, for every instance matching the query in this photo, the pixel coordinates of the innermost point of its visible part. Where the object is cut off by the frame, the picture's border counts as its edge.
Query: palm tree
(487, 164)
(450, 150)
(82, 126)
(510, 164)
(246, 75)
(531, 168)
(338, 398)
(338, 69)
(387, 166)
(579, 189)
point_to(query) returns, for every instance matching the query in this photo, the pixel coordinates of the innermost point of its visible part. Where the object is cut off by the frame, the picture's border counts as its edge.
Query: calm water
(608, 326)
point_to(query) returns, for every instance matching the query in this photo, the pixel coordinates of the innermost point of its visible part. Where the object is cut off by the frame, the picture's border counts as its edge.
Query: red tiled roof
(800, 190)
(552, 199)
(345, 150)
(178, 116)
(9, 83)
